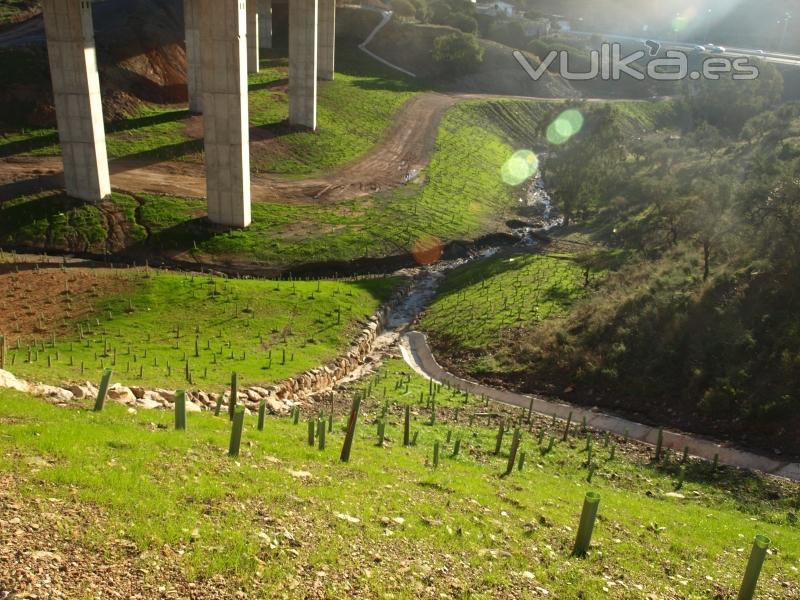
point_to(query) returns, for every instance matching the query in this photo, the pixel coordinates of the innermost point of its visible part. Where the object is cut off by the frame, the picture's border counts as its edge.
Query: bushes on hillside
(404, 8)
(460, 53)
(463, 22)
(578, 59)
(454, 13)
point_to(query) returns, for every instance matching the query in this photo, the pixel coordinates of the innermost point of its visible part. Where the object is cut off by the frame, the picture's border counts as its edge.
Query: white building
(496, 9)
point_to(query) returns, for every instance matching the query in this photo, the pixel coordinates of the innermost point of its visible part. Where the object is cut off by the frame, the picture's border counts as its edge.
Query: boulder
(119, 393)
(76, 390)
(193, 407)
(7, 380)
(138, 391)
(52, 392)
(168, 395)
(148, 403)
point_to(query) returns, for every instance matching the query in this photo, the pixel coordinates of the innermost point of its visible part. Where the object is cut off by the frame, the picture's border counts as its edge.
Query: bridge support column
(253, 42)
(327, 38)
(303, 63)
(191, 20)
(76, 90)
(265, 24)
(225, 112)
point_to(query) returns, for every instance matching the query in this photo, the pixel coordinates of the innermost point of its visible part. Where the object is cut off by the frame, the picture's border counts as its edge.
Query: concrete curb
(418, 355)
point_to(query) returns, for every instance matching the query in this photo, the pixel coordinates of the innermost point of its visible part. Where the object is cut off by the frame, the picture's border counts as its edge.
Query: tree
(712, 214)
(458, 52)
(770, 203)
(404, 8)
(585, 168)
(463, 22)
(728, 103)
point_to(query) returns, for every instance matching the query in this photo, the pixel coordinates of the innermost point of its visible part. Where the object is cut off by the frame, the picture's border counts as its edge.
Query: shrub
(463, 22)
(404, 8)
(459, 52)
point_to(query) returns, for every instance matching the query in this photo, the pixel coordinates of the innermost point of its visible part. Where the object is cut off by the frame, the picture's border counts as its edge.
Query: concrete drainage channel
(418, 355)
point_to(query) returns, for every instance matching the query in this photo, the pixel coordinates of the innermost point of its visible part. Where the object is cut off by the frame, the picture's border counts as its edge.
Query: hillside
(672, 292)
(152, 508)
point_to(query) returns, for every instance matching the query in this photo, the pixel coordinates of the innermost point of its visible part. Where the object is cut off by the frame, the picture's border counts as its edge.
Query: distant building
(496, 9)
(536, 28)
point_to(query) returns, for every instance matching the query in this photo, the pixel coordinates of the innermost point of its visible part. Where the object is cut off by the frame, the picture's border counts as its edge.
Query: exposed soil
(405, 149)
(43, 556)
(49, 301)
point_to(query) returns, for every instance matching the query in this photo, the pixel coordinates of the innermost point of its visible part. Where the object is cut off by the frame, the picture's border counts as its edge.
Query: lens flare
(565, 126)
(679, 23)
(522, 165)
(427, 250)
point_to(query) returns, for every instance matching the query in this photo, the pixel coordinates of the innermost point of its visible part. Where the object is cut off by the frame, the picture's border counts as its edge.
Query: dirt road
(405, 150)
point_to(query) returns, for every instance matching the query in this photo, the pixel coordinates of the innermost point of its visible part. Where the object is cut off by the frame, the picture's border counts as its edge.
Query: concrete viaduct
(223, 39)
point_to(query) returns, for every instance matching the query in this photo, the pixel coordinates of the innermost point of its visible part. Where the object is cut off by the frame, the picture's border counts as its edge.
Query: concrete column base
(76, 91)
(225, 115)
(303, 21)
(327, 39)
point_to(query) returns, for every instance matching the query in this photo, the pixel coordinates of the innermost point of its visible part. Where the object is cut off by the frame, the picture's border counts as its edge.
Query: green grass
(156, 324)
(464, 531)
(354, 111)
(483, 302)
(439, 206)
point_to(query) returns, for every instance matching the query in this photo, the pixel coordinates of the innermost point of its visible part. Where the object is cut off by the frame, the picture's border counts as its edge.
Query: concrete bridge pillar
(191, 20)
(265, 24)
(76, 91)
(303, 22)
(225, 113)
(253, 42)
(327, 38)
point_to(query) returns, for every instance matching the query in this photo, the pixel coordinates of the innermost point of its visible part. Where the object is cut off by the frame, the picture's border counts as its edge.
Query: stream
(536, 204)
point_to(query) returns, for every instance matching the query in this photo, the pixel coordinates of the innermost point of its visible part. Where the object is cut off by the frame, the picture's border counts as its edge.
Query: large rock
(52, 392)
(7, 380)
(168, 395)
(193, 407)
(119, 393)
(77, 391)
(148, 403)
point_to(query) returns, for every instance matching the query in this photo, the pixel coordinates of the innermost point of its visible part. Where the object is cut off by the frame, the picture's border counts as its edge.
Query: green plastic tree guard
(586, 527)
(180, 410)
(757, 555)
(407, 426)
(321, 428)
(262, 415)
(351, 430)
(236, 432)
(234, 395)
(512, 453)
(311, 431)
(102, 391)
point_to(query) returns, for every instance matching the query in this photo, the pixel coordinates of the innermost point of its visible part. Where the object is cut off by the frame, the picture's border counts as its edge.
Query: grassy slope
(444, 204)
(143, 333)
(463, 530)
(717, 356)
(479, 304)
(14, 10)
(354, 111)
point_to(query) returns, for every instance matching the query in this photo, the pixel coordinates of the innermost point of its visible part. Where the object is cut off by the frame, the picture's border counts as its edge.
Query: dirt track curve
(405, 149)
